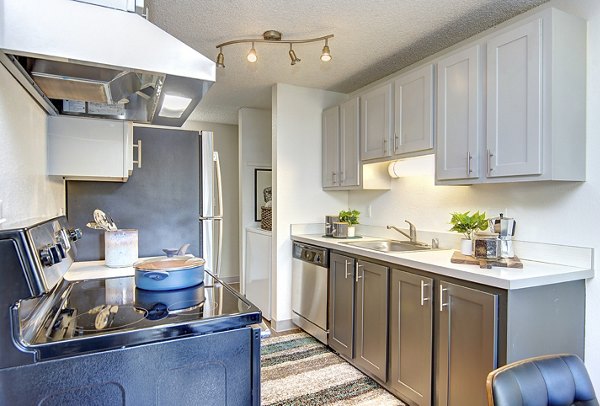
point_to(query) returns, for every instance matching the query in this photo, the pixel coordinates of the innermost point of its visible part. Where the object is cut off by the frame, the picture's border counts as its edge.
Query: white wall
(552, 212)
(25, 189)
(254, 152)
(226, 144)
(297, 193)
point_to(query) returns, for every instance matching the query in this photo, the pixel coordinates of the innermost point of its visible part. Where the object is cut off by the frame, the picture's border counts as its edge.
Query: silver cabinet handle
(139, 155)
(442, 304)
(346, 269)
(358, 266)
(423, 298)
(489, 161)
(385, 142)
(469, 158)
(334, 177)
(396, 142)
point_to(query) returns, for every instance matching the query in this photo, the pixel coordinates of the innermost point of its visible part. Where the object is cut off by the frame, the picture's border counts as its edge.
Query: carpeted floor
(298, 370)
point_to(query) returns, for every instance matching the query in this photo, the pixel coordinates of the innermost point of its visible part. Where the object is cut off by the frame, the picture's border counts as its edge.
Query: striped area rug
(298, 370)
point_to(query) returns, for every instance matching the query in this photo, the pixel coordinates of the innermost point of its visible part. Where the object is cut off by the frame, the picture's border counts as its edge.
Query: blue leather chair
(553, 380)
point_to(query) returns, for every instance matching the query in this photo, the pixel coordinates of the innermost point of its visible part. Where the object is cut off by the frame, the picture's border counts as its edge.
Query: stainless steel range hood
(82, 59)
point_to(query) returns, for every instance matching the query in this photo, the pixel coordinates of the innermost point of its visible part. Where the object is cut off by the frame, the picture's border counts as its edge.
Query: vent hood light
(174, 106)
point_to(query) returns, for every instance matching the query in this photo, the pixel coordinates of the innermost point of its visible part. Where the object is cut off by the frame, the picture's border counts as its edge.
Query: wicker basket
(266, 214)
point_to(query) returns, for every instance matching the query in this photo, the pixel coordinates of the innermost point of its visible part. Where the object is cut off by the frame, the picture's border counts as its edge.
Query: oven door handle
(156, 275)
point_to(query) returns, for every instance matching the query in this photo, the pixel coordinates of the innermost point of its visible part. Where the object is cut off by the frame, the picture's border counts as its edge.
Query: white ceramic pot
(466, 246)
(351, 231)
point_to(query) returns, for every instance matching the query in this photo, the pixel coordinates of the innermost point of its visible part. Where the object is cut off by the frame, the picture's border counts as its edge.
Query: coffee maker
(505, 228)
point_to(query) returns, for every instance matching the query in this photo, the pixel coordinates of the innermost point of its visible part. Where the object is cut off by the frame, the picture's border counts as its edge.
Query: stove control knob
(49, 255)
(61, 251)
(75, 234)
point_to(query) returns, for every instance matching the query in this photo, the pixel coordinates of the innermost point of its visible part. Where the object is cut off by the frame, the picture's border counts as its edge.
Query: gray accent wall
(161, 199)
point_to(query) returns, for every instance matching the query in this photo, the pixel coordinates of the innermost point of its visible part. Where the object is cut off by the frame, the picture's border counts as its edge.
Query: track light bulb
(221, 59)
(252, 54)
(326, 54)
(293, 56)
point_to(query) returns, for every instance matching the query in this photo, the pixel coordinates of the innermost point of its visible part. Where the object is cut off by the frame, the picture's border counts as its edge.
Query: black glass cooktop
(108, 313)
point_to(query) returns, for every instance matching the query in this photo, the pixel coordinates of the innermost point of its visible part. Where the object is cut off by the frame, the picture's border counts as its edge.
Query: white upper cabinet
(535, 74)
(413, 112)
(514, 101)
(350, 143)
(459, 114)
(91, 149)
(341, 163)
(331, 147)
(376, 117)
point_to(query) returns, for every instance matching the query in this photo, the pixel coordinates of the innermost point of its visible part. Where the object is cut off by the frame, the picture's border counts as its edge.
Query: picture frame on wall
(262, 181)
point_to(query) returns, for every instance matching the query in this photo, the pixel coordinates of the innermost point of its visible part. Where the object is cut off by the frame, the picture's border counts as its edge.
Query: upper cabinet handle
(490, 155)
(139, 148)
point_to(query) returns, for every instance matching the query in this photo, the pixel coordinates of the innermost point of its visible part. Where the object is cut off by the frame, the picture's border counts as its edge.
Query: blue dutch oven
(169, 273)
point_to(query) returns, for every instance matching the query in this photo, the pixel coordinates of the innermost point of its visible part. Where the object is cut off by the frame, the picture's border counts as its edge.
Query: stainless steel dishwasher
(310, 283)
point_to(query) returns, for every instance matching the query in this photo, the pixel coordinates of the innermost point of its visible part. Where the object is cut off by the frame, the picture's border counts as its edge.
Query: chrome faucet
(412, 231)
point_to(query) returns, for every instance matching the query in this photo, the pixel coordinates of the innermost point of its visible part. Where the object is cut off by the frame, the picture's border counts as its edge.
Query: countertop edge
(512, 281)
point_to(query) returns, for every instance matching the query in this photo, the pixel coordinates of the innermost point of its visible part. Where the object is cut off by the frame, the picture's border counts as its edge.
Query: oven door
(213, 369)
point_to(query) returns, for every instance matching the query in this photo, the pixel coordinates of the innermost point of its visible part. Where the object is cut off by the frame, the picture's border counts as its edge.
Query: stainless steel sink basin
(390, 245)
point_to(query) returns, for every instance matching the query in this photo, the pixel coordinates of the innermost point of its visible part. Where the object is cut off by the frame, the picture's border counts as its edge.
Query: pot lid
(176, 263)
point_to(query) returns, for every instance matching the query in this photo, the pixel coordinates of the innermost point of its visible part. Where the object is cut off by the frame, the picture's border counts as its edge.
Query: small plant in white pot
(350, 217)
(467, 224)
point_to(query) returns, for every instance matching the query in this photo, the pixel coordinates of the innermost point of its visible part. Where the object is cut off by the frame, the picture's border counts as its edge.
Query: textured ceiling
(372, 40)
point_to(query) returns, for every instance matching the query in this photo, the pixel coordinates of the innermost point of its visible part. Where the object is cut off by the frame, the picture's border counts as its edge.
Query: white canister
(120, 248)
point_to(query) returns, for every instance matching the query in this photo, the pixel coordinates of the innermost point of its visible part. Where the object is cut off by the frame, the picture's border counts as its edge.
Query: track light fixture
(274, 37)
(326, 54)
(252, 54)
(221, 59)
(293, 56)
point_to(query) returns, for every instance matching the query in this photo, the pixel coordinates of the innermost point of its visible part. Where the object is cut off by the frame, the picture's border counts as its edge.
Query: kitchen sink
(390, 245)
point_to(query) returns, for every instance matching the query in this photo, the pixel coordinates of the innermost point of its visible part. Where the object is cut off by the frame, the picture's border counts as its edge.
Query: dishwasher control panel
(310, 253)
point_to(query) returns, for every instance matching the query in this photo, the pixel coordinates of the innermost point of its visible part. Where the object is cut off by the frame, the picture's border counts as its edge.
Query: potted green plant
(350, 217)
(467, 224)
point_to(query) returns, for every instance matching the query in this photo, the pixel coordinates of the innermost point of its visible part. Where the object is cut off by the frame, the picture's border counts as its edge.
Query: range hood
(82, 59)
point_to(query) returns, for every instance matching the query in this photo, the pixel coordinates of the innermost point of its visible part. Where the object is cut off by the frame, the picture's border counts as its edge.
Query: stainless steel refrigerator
(173, 199)
(211, 216)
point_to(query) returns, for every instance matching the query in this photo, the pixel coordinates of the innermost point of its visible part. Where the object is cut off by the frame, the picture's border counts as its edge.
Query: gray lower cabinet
(371, 318)
(358, 313)
(432, 340)
(411, 337)
(341, 304)
(466, 344)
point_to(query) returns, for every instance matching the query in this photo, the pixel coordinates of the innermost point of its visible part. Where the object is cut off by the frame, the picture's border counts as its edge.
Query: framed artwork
(262, 181)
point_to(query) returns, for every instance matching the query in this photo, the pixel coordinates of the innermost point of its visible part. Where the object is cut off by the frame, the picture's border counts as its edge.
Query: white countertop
(96, 269)
(438, 262)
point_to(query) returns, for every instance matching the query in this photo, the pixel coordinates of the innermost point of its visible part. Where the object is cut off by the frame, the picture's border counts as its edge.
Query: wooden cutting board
(458, 258)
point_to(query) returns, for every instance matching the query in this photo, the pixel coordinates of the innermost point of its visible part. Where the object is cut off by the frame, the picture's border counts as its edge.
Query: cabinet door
(350, 143)
(411, 336)
(514, 115)
(341, 304)
(94, 149)
(466, 346)
(413, 128)
(459, 115)
(376, 114)
(371, 314)
(257, 280)
(331, 146)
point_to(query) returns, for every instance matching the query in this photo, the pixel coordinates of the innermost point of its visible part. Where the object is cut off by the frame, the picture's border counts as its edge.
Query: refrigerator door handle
(219, 246)
(219, 189)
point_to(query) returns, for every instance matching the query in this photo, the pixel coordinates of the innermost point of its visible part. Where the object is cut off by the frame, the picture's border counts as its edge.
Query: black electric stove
(107, 339)
(99, 314)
